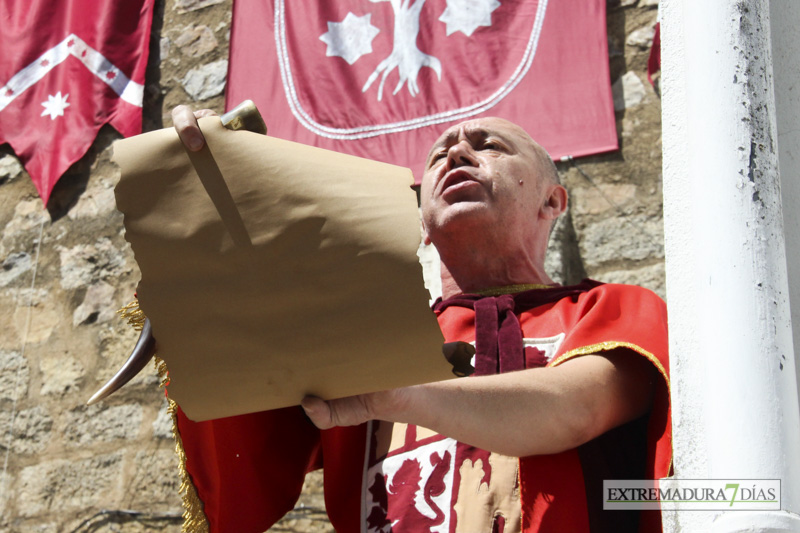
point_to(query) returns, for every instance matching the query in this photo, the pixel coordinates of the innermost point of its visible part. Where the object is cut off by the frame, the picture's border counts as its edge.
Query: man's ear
(555, 203)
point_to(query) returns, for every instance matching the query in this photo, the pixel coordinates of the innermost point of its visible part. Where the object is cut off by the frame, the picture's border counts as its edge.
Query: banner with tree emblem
(382, 78)
(66, 69)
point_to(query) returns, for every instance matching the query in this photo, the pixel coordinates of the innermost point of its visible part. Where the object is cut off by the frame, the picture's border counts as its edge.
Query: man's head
(487, 182)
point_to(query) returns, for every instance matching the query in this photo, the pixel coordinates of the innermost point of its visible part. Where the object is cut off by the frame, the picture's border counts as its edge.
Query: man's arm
(530, 412)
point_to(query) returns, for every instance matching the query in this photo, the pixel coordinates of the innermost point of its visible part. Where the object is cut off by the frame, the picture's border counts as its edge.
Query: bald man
(570, 384)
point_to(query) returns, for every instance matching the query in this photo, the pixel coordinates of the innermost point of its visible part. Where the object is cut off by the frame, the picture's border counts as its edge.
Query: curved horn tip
(142, 353)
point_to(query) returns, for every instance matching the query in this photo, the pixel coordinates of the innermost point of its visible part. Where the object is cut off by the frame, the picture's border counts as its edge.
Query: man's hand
(185, 121)
(342, 412)
(354, 410)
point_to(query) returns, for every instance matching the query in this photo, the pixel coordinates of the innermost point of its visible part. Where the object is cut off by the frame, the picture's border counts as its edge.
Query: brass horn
(245, 116)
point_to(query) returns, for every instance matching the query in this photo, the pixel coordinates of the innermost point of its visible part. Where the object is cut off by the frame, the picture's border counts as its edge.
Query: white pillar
(734, 391)
(785, 20)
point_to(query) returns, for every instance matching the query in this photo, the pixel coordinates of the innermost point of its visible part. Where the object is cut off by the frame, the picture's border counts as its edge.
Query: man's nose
(461, 154)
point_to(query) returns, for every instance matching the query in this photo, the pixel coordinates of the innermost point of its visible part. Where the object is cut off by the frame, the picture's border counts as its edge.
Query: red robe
(248, 470)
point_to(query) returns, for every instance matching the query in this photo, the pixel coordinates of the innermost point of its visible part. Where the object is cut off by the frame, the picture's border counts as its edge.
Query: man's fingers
(349, 411)
(200, 113)
(318, 411)
(185, 122)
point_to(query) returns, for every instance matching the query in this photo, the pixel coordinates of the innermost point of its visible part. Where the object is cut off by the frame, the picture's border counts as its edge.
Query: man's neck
(474, 259)
(467, 279)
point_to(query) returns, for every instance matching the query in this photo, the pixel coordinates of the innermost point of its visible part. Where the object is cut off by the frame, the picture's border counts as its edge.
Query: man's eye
(437, 156)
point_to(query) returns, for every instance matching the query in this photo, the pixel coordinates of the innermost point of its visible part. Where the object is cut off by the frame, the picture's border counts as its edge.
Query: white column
(734, 394)
(785, 20)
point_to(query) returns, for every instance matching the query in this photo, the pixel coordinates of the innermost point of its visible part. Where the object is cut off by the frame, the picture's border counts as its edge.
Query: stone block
(86, 263)
(641, 38)
(28, 215)
(196, 41)
(621, 239)
(97, 306)
(35, 321)
(14, 376)
(162, 425)
(62, 485)
(10, 168)
(14, 266)
(628, 91)
(597, 200)
(164, 46)
(651, 277)
(31, 430)
(156, 480)
(185, 6)
(97, 423)
(60, 375)
(95, 202)
(6, 490)
(206, 81)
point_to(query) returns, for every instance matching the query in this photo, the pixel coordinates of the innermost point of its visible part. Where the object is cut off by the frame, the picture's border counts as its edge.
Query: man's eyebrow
(474, 133)
(448, 139)
(442, 142)
(483, 132)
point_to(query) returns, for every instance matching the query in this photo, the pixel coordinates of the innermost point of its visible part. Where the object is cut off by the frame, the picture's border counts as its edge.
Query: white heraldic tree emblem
(352, 38)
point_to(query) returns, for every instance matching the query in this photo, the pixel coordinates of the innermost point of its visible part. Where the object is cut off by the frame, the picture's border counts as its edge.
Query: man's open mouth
(456, 177)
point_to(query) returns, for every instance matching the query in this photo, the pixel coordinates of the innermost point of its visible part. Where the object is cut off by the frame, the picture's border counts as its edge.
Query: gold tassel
(194, 519)
(133, 314)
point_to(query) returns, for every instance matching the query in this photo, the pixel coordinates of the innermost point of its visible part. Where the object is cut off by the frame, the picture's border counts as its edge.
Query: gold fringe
(163, 373)
(194, 519)
(610, 345)
(133, 314)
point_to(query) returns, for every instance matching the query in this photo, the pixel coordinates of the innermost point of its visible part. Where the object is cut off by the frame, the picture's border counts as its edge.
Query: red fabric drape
(66, 69)
(316, 70)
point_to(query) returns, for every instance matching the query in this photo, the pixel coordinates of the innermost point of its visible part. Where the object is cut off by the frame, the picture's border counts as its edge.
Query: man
(571, 380)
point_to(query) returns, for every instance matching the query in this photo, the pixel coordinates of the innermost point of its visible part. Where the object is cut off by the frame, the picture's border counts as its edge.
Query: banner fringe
(133, 314)
(194, 519)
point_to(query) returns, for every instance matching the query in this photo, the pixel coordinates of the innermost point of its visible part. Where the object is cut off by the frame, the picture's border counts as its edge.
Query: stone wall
(65, 269)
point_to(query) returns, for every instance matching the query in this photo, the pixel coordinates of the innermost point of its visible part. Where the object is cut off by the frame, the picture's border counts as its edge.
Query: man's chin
(465, 212)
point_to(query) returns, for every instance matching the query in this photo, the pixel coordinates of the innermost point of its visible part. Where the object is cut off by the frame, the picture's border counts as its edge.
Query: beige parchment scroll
(272, 270)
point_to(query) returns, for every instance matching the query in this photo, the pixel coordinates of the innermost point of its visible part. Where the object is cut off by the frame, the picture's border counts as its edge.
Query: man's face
(485, 175)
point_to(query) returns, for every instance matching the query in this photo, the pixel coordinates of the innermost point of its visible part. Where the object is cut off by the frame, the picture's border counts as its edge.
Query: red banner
(66, 69)
(382, 79)
(654, 61)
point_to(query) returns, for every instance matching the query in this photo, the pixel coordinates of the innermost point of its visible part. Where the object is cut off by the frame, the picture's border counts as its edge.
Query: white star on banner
(467, 15)
(351, 38)
(55, 105)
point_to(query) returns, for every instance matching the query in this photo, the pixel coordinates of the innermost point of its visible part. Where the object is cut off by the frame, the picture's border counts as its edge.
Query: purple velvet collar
(498, 335)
